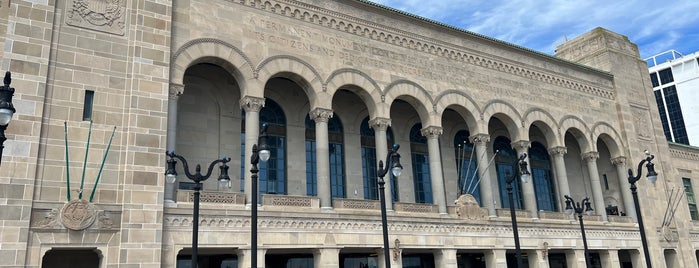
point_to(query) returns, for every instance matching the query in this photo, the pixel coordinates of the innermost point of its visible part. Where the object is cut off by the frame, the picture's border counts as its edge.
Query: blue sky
(654, 25)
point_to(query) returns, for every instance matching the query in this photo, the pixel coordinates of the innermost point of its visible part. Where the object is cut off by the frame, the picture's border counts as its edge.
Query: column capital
(380, 123)
(619, 161)
(175, 91)
(431, 132)
(321, 115)
(480, 139)
(558, 150)
(590, 156)
(521, 144)
(252, 104)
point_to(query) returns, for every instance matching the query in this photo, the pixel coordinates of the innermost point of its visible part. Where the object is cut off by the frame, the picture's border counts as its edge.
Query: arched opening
(72, 258)
(504, 158)
(544, 186)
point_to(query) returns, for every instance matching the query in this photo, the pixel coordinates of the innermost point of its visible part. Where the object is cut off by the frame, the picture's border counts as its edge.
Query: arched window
(542, 178)
(337, 160)
(369, 168)
(466, 165)
(504, 160)
(421, 165)
(272, 176)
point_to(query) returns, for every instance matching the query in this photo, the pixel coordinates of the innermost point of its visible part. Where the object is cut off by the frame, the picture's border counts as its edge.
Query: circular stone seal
(78, 214)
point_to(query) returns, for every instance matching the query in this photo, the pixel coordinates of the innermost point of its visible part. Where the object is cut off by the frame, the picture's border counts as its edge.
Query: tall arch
(357, 82)
(297, 71)
(413, 94)
(464, 105)
(506, 113)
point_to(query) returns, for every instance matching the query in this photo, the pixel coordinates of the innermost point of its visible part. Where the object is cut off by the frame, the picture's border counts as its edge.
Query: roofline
(487, 38)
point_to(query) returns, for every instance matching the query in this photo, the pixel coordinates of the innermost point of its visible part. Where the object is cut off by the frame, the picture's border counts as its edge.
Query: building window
(466, 165)
(654, 79)
(663, 114)
(421, 166)
(503, 162)
(369, 168)
(544, 187)
(690, 198)
(336, 158)
(666, 76)
(87, 105)
(674, 112)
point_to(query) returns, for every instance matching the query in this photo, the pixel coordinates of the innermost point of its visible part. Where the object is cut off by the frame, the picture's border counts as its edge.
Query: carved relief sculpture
(100, 15)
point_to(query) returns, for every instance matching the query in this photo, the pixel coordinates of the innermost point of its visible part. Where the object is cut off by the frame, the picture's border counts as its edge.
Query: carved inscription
(100, 15)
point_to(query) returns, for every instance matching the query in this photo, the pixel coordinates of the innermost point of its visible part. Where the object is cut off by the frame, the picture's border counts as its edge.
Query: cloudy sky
(655, 25)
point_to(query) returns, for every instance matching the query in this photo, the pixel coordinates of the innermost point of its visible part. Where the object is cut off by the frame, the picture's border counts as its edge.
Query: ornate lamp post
(393, 161)
(198, 178)
(523, 173)
(6, 109)
(652, 177)
(258, 153)
(571, 207)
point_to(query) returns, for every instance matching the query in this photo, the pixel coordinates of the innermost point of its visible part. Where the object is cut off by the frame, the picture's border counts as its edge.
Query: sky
(655, 26)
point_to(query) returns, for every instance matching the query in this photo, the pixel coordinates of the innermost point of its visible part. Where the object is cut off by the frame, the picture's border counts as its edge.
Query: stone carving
(590, 156)
(558, 150)
(684, 154)
(641, 123)
(321, 115)
(357, 204)
(289, 201)
(380, 123)
(49, 221)
(431, 132)
(105, 222)
(415, 207)
(78, 214)
(481, 139)
(467, 208)
(619, 161)
(212, 197)
(176, 90)
(100, 15)
(252, 104)
(521, 145)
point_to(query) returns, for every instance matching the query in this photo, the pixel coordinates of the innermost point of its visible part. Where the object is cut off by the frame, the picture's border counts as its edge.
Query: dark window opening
(654, 79)
(666, 76)
(87, 105)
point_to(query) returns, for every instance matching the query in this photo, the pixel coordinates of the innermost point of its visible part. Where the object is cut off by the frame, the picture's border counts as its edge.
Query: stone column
(496, 258)
(252, 107)
(528, 193)
(624, 186)
(437, 179)
(327, 258)
(175, 92)
(480, 141)
(380, 125)
(576, 258)
(321, 117)
(245, 261)
(396, 258)
(610, 258)
(445, 258)
(559, 165)
(537, 258)
(597, 195)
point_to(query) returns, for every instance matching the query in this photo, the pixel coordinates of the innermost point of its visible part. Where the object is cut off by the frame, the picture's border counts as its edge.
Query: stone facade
(199, 77)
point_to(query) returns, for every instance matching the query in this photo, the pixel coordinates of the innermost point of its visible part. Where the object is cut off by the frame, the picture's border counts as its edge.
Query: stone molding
(415, 207)
(380, 123)
(176, 90)
(480, 139)
(290, 201)
(558, 150)
(408, 40)
(619, 161)
(363, 204)
(321, 115)
(684, 154)
(252, 104)
(431, 132)
(211, 197)
(590, 156)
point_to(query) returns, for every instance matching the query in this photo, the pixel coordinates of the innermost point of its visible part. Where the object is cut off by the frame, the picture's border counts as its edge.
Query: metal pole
(582, 229)
(640, 224)
(253, 226)
(384, 223)
(195, 226)
(518, 250)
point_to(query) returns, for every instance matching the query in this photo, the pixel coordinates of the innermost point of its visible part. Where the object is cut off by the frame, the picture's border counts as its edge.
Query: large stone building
(337, 81)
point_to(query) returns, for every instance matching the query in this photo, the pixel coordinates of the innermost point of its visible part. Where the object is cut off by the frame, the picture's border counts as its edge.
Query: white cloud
(540, 24)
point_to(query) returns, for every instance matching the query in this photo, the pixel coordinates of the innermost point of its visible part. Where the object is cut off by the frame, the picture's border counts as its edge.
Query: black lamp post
(571, 207)
(258, 153)
(393, 161)
(524, 175)
(652, 177)
(6, 109)
(198, 178)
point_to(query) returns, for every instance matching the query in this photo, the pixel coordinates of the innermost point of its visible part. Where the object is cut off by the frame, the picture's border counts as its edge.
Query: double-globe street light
(261, 152)
(6, 109)
(523, 173)
(392, 161)
(198, 178)
(572, 206)
(652, 177)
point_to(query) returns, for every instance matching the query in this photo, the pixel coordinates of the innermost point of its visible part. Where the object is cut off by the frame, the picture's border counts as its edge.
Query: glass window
(359, 260)
(544, 187)
(689, 191)
(674, 112)
(87, 105)
(421, 166)
(663, 114)
(504, 160)
(289, 260)
(666, 76)
(422, 260)
(466, 165)
(654, 79)
(336, 158)
(369, 167)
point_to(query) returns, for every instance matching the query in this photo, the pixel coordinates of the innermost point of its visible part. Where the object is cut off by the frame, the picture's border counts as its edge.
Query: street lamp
(198, 178)
(393, 161)
(258, 153)
(524, 175)
(571, 207)
(652, 177)
(6, 109)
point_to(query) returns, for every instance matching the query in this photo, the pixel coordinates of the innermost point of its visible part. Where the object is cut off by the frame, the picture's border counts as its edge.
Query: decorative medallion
(78, 214)
(101, 15)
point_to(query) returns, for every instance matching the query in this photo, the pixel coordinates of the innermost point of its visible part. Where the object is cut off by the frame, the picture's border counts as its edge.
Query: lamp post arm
(212, 165)
(383, 170)
(633, 179)
(197, 177)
